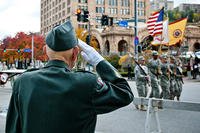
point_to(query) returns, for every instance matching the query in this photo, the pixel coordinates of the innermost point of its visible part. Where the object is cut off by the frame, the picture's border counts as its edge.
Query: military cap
(62, 37)
(154, 53)
(164, 56)
(141, 58)
(172, 58)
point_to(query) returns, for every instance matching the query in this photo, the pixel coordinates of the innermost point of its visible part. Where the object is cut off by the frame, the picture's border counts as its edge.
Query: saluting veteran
(53, 99)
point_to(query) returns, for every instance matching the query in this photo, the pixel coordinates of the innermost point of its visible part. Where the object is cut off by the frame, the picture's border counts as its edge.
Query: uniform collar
(57, 63)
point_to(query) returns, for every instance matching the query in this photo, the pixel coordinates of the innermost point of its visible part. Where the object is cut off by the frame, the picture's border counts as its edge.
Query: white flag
(164, 38)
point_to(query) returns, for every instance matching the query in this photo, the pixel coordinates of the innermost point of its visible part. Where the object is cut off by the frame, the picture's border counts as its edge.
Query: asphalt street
(130, 120)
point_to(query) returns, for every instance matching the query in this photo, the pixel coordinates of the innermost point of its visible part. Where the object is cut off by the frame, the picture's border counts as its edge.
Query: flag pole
(160, 47)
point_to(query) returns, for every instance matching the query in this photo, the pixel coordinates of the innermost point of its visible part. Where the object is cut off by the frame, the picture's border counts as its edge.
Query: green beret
(62, 37)
(154, 53)
(140, 58)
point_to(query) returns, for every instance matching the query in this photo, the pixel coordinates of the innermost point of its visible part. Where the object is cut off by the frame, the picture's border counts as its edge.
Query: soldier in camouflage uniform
(141, 78)
(179, 79)
(164, 78)
(154, 70)
(173, 83)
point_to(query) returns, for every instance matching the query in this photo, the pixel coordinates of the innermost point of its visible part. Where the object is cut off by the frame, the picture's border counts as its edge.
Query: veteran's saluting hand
(89, 53)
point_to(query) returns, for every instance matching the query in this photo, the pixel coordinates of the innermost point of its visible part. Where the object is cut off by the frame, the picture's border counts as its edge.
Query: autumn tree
(15, 47)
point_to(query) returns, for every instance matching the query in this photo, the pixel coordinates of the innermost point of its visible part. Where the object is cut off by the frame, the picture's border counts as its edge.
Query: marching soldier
(155, 72)
(142, 78)
(179, 79)
(165, 77)
(173, 83)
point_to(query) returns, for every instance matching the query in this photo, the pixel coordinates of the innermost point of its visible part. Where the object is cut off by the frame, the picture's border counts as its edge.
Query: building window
(83, 7)
(100, 10)
(63, 13)
(125, 3)
(140, 4)
(68, 10)
(63, 5)
(113, 10)
(68, 2)
(98, 19)
(141, 13)
(125, 11)
(59, 7)
(82, 1)
(100, 2)
(113, 2)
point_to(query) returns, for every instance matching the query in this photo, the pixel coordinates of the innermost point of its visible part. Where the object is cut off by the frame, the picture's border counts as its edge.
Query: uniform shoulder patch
(101, 86)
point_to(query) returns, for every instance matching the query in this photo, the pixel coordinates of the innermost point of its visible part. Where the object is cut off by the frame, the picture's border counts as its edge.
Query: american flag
(155, 23)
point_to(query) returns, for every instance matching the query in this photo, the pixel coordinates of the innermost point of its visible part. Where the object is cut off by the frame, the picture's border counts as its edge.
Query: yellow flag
(176, 31)
(123, 59)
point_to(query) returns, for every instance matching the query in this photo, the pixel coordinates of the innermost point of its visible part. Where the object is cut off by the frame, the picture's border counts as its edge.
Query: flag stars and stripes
(155, 23)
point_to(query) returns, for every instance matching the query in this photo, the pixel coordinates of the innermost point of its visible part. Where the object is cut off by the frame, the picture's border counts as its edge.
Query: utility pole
(136, 31)
(32, 49)
(89, 34)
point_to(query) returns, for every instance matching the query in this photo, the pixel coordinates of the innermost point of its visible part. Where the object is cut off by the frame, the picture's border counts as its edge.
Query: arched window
(107, 48)
(122, 47)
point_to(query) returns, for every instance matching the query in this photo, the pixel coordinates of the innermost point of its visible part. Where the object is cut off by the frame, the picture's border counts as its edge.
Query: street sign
(123, 23)
(136, 40)
(27, 50)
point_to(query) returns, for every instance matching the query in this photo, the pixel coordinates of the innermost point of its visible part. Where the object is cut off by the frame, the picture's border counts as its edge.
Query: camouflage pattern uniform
(154, 70)
(179, 79)
(173, 83)
(164, 78)
(141, 79)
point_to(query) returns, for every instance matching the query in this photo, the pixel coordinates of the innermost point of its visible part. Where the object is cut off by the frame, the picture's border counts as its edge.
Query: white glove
(89, 53)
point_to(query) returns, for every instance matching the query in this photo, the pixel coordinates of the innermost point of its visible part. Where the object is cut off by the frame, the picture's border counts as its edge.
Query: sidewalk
(5, 93)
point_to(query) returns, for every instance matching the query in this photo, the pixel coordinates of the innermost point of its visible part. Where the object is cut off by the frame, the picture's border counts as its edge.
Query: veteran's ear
(75, 53)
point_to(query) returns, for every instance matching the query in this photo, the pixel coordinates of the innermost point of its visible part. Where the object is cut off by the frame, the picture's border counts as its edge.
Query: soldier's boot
(142, 108)
(178, 98)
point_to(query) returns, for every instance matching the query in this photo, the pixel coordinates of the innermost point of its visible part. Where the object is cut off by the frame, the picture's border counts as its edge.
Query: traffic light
(88, 39)
(104, 20)
(78, 13)
(18, 50)
(4, 50)
(85, 16)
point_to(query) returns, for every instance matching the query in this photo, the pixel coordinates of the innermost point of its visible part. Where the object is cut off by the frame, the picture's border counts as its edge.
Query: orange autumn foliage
(21, 41)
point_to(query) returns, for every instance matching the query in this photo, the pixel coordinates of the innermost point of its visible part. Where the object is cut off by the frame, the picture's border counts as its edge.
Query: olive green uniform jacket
(54, 99)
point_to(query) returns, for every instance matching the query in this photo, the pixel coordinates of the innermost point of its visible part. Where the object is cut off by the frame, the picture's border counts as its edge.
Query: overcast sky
(19, 15)
(24, 15)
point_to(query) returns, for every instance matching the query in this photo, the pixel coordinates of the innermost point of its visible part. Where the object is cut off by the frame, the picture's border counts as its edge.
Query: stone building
(55, 12)
(194, 7)
(119, 40)
(192, 38)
